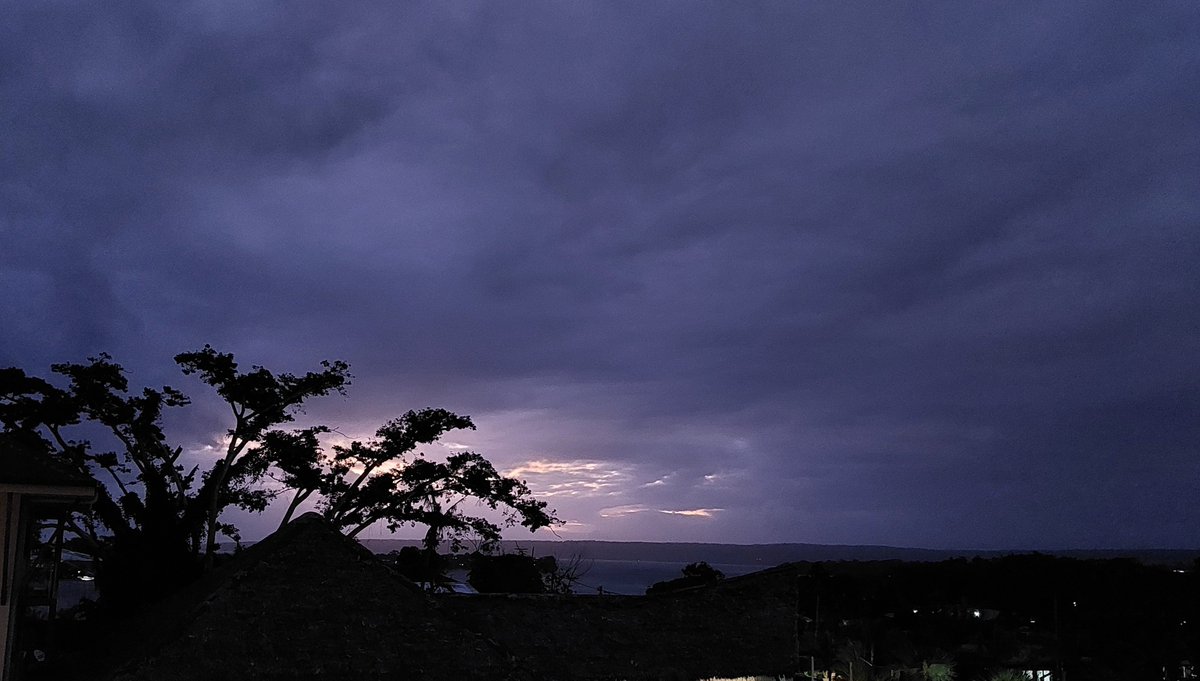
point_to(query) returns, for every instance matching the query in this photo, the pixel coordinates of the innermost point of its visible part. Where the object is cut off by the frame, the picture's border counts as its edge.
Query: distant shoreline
(769, 555)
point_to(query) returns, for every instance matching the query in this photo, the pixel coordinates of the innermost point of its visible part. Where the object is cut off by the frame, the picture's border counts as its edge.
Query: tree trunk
(217, 478)
(297, 499)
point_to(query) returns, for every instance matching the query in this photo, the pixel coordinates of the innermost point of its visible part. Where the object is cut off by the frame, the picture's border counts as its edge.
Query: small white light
(86, 578)
(976, 614)
(914, 611)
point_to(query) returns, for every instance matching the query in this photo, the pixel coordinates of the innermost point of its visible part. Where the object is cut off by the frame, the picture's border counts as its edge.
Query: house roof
(743, 626)
(308, 602)
(24, 465)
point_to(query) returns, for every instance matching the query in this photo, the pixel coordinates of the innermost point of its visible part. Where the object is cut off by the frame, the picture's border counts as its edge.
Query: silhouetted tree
(508, 573)
(417, 565)
(521, 573)
(154, 522)
(387, 480)
(259, 401)
(694, 574)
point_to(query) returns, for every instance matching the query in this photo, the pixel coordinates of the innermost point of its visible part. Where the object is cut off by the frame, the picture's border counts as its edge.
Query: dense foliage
(694, 574)
(386, 480)
(523, 573)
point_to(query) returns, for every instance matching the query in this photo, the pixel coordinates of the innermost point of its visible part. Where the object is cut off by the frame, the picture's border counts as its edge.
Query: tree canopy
(386, 480)
(159, 513)
(694, 574)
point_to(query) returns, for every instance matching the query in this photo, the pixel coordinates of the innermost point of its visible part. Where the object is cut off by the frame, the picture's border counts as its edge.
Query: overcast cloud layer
(743, 272)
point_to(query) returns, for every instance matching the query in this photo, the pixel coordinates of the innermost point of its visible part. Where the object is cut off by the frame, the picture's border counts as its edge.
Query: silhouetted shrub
(694, 574)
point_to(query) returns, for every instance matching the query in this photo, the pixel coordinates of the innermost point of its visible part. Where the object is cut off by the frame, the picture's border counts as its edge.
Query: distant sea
(631, 567)
(633, 577)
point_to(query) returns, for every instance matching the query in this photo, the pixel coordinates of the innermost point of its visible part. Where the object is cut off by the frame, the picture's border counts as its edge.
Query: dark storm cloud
(908, 275)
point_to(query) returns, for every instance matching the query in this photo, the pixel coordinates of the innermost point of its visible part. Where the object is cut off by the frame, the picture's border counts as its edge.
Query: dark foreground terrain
(310, 601)
(1075, 618)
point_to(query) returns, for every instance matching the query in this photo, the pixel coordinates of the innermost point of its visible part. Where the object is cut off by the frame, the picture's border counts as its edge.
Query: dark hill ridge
(768, 555)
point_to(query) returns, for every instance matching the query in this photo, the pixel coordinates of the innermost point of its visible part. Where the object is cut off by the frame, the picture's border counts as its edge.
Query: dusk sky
(915, 274)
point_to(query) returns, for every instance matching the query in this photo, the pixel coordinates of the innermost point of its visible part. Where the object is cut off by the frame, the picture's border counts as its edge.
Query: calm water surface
(633, 577)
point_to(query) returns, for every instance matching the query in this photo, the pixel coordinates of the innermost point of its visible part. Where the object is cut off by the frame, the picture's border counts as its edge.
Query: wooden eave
(51, 493)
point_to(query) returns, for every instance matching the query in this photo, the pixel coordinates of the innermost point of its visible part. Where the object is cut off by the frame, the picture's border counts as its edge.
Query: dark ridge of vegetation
(694, 574)
(769, 555)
